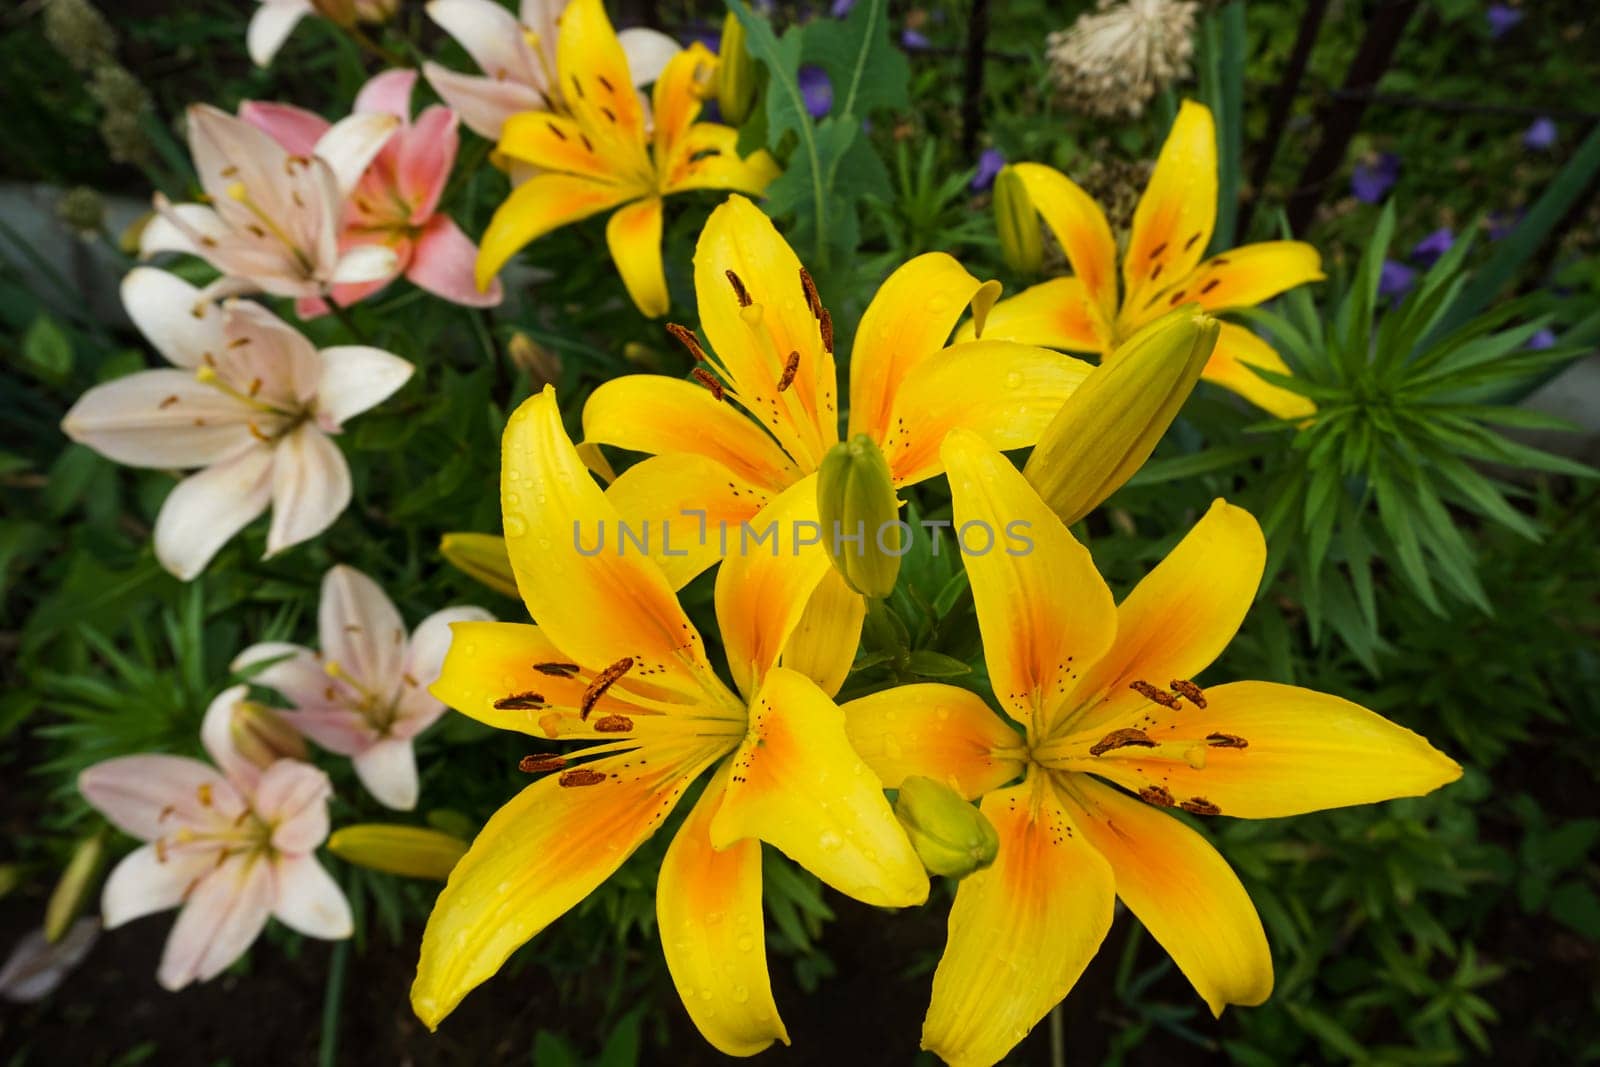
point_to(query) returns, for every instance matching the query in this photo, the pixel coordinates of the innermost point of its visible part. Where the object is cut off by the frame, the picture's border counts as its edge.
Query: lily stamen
(240, 195)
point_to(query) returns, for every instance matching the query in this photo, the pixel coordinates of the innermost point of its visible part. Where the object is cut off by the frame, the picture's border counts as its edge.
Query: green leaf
(867, 72)
(930, 664)
(46, 351)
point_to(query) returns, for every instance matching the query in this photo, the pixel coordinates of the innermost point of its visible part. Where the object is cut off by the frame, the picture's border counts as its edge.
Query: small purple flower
(841, 8)
(1395, 279)
(1431, 247)
(989, 163)
(1501, 18)
(914, 41)
(1371, 182)
(1545, 338)
(1540, 136)
(817, 90)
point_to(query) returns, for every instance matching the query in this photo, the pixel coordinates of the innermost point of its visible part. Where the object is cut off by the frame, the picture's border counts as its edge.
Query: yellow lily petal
(1082, 230)
(598, 86)
(798, 785)
(542, 203)
(708, 910)
(754, 340)
(604, 607)
(1044, 612)
(1172, 224)
(482, 557)
(1021, 931)
(659, 415)
(1177, 619)
(542, 853)
(771, 570)
(684, 508)
(676, 97)
(1053, 314)
(555, 143)
(1280, 750)
(823, 643)
(633, 234)
(1005, 392)
(937, 731)
(909, 319)
(1229, 366)
(1251, 274)
(707, 157)
(1181, 889)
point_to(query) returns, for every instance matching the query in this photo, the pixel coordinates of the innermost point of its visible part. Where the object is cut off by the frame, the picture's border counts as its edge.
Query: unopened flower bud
(374, 11)
(338, 12)
(411, 851)
(83, 210)
(262, 736)
(951, 836)
(736, 74)
(860, 516)
(542, 366)
(1110, 425)
(482, 557)
(1017, 221)
(75, 887)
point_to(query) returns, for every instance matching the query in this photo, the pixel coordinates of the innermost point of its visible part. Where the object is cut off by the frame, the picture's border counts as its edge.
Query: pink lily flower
(365, 694)
(272, 218)
(517, 56)
(395, 203)
(274, 20)
(232, 844)
(249, 400)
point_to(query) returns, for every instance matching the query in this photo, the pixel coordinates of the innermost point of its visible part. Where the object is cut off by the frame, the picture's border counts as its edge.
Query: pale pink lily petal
(492, 36)
(389, 771)
(159, 418)
(352, 143)
(143, 795)
(337, 729)
(366, 263)
(216, 734)
(543, 18)
(356, 378)
(172, 315)
(262, 348)
(149, 880)
(271, 25)
(180, 228)
(388, 93)
(308, 900)
(293, 799)
(648, 51)
(221, 919)
(397, 243)
(307, 308)
(484, 104)
(36, 967)
(310, 487)
(443, 265)
(296, 673)
(230, 152)
(360, 628)
(295, 128)
(427, 152)
(206, 509)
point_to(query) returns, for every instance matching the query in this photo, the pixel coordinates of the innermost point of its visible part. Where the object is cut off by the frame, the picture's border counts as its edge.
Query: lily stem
(328, 1044)
(349, 322)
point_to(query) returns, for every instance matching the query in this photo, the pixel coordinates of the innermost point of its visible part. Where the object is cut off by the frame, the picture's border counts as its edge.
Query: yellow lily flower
(772, 355)
(614, 660)
(606, 155)
(1105, 691)
(1161, 267)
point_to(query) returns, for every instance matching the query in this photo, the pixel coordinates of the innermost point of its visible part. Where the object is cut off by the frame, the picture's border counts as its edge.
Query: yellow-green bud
(860, 516)
(951, 836)
(412, 851)
(1017, 221)
(73, 890)
(480, 556)
(542, 366)
(262, 736)
(376, 10)
(736, 74)
(1110, 425)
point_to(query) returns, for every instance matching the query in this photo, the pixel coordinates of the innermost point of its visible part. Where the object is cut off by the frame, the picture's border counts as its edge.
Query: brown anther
(791, 366)
(207, 241)
(238, 342)
(685, 337)
(1150, 692)
(559, 670)
(1208, 286)
(580, 776)
(410, 679)
(1156, 794)
(739, 290)
(613, 724)
(1199, 806)
(555, 130)
(1121, 739)
(604, 681)
(707, 379)
(166, 813)
(255, 386)
(1226, 741)
(204, 793)
(1187, 689)
(161, 849)
(813, 301)
(526, 701)
(825, 321)
(167, 402)
(541, 762)
(199, 312)
(229, 171)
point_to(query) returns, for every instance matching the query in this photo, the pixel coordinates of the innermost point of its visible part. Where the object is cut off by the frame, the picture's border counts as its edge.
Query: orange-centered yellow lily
(771, 354)
(1161, 267)
(614, 660)
(609, 152)
(1107, 691)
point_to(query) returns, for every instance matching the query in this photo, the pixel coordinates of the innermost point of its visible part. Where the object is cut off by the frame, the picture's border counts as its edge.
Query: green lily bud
(262, 736)
(480, 556)
(951, 836)
(1110, 425)
(860, 516)
(736, 74)
(412, 851)
(75, 887)
(1017, 221)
